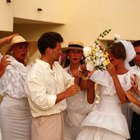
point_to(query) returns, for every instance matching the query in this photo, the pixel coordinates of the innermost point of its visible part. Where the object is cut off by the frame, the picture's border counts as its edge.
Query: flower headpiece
(95, 56)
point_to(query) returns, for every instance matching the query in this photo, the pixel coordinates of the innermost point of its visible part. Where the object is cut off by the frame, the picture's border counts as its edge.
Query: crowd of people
(49, 100)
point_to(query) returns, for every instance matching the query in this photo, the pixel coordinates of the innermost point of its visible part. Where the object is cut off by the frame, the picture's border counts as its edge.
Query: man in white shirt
(47, 85)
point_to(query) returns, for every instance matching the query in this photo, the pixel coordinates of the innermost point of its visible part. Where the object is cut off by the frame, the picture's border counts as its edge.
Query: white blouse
(12, 81)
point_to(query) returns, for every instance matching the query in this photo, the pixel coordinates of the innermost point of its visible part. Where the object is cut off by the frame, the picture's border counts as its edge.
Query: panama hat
(73, 45)
(31, 45)
(15, 40)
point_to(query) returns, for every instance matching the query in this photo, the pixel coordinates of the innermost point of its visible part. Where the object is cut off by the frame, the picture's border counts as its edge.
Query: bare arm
(121, 93)
(90, 91)
(6, 39)
(78, 75)
(132, 99)
(84, 77)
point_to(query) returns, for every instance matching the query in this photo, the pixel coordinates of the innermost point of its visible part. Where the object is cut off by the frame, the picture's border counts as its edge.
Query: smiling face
(75, 56)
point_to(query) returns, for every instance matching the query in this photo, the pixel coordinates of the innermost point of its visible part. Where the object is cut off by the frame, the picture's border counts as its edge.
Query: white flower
(102, 59)
(87, 51)
(116, 37)
(95, 57)
(97, 62)
(90, 66)
(88, 58)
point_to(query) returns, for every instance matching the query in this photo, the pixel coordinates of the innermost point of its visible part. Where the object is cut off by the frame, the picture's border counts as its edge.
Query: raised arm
(134, 84)
(121, 93)
(132, 99)
(6, 40)
(3, 64)
(90, 91)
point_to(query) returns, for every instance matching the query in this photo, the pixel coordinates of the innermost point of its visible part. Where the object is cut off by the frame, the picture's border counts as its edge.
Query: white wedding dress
(106, 121)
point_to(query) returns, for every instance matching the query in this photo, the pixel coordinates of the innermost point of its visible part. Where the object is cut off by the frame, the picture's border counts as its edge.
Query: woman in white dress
(77, 105)
(106, 121)
(15, 116)
(4, 62)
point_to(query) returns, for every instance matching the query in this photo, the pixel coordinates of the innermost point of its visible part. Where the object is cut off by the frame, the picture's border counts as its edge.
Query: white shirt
(12, 81)
(42, 86)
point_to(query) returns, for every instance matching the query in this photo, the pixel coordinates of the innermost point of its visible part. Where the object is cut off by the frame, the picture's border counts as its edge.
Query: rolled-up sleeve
(38, 94)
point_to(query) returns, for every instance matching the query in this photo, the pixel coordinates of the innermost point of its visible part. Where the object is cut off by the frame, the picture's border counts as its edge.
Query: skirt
(95, 133)
(48, 127)
(15, 119)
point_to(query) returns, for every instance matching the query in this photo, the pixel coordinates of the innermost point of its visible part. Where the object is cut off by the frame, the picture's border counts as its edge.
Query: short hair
(48, 40)
(136, 43)
(118, 50)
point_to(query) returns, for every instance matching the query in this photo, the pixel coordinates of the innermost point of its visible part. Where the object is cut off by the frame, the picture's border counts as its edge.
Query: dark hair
(136, 43)
(48, 40)
(67, 62)
(118, 50)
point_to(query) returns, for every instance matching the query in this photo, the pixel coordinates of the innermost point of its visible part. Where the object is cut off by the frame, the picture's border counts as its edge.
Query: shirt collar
(47, 65)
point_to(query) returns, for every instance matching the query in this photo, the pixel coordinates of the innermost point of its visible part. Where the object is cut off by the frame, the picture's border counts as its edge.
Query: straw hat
(74, 45)
(32, 46)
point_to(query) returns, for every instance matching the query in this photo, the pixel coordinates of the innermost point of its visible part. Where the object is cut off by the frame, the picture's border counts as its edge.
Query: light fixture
(8, 1)
(39, 9)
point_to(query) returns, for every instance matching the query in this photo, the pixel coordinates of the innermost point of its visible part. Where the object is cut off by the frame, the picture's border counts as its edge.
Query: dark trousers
(135, 127)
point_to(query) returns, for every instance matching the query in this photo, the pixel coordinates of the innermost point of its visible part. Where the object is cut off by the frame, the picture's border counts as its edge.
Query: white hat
(15, 40)
(32, 46)
(74, 45)
(130, 52)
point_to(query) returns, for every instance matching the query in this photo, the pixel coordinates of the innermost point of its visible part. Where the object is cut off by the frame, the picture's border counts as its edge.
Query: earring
(11, 53)
(68, 57)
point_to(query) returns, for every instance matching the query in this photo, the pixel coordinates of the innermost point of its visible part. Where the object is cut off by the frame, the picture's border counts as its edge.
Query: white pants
(48, 127)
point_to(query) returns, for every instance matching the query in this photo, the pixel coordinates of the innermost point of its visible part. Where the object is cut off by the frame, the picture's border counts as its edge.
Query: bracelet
(84, 77)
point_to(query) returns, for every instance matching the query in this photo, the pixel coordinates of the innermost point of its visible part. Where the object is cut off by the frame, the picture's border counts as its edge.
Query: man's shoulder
(58, 65)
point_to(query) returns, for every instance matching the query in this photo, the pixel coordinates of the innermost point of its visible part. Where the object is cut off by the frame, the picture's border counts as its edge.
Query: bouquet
(95, 56)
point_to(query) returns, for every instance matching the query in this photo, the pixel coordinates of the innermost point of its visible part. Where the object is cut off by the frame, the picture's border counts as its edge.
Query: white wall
(86, 19)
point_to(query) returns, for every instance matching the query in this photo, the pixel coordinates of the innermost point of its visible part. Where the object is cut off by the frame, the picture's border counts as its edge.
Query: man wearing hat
(77, 105)
(15, 116)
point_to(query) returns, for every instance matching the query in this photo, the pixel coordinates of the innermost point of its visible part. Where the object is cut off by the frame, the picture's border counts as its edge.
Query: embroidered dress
(15, 116)
(106, 121)
(77, 109)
